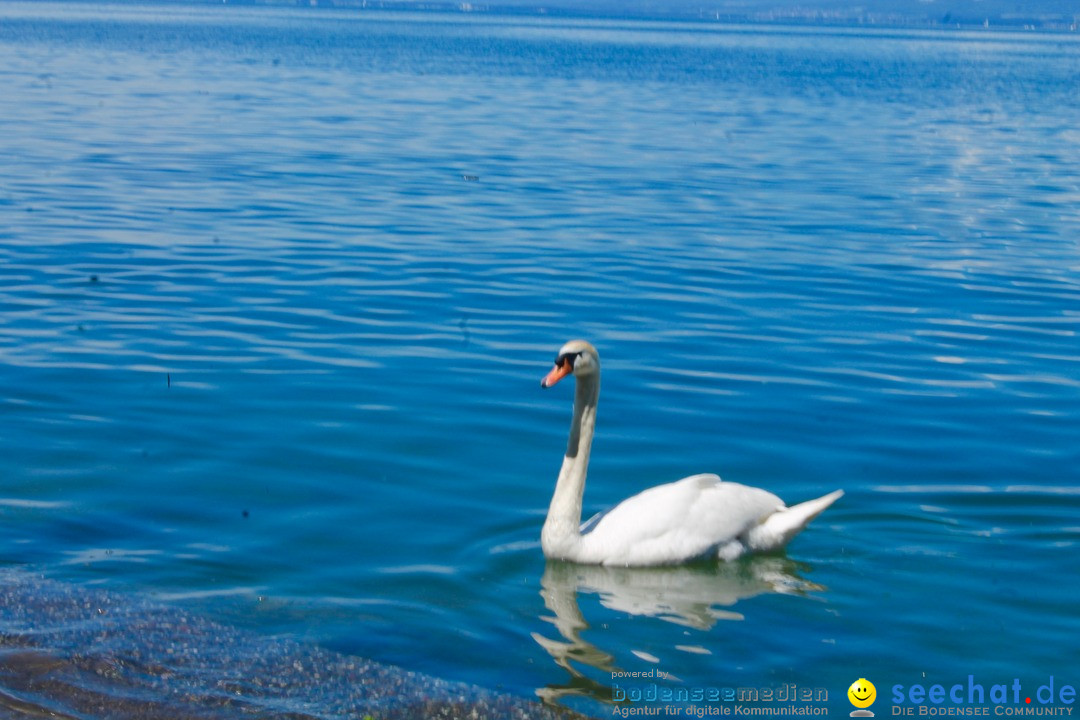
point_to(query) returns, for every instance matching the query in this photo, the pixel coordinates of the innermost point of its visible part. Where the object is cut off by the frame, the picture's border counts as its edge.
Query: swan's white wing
(676, 522)
(588, 525)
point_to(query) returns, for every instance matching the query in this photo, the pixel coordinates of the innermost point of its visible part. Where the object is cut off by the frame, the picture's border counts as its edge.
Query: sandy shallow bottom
(73, 652)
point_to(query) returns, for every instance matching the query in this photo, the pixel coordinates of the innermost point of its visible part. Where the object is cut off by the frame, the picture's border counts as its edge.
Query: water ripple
(277, 286)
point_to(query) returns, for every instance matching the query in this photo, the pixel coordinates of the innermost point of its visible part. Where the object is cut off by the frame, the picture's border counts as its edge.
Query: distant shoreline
(1045, 15)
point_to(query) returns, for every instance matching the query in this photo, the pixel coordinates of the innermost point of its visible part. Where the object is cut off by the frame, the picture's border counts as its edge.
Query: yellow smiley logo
(862, 693)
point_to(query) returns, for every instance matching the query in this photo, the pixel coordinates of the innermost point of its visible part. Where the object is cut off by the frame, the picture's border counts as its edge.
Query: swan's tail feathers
(780, 527)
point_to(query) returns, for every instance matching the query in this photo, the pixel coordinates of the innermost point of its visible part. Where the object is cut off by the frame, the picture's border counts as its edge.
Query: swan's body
(668, 524)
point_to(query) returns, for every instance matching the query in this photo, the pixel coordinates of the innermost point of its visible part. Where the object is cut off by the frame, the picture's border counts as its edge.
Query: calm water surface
(277, 287)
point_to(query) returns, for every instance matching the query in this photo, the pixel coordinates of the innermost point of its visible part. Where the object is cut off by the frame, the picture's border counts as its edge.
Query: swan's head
(576, 357)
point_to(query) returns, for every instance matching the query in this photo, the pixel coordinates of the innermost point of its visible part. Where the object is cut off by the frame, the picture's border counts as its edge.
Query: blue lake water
(277, 287)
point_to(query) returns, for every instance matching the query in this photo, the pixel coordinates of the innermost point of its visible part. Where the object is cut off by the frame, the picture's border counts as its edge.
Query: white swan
(664, 525)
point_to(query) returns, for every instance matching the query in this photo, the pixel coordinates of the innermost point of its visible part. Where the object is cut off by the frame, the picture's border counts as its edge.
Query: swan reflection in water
(695, 596)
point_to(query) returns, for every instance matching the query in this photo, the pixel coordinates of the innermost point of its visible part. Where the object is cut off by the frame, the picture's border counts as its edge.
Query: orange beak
(557, 373)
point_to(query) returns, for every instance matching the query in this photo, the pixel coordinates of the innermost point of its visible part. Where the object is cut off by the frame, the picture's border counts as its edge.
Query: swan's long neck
(561, 529)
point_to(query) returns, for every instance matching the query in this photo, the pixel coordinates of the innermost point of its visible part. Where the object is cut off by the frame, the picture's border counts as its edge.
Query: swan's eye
(566, 358)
